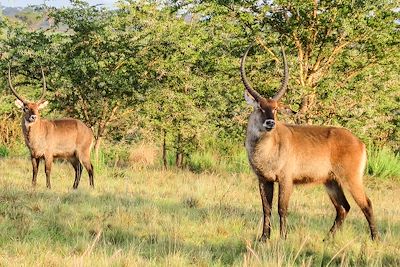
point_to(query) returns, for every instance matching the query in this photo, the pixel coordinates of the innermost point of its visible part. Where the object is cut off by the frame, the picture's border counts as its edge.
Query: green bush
(4, 151)
(202, 161)
(111, 155)
(383, 163)
(215, 159)
(238, 162)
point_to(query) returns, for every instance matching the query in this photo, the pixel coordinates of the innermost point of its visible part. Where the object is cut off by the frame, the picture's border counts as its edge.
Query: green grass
(209, 161)
(383, 163)
(171, 218)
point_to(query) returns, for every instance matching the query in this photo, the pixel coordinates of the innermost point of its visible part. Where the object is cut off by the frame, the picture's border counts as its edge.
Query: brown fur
(50, 139)
(295, 154)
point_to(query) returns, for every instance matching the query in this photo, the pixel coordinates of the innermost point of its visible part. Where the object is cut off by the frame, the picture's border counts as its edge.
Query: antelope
(301, 154)
(70, 139)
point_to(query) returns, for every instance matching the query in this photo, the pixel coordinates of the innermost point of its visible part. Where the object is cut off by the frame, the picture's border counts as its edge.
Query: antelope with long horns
(298, 154)
(50, 139)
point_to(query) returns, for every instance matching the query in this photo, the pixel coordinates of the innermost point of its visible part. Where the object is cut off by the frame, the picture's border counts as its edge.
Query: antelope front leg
(48, 163)
(35, 167)
(267, 193)
(285, 190)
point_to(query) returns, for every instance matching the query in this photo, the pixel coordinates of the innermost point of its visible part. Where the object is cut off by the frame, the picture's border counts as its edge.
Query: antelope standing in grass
(298, 154)
(49, 139)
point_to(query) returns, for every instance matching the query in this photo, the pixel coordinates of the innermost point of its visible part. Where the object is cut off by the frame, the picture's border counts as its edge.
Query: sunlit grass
(171, 218)
(383, 163)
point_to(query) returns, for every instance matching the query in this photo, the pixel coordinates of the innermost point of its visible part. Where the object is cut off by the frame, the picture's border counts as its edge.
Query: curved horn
(44, 86)
(246, 84)
(285, 80)
(11, 87)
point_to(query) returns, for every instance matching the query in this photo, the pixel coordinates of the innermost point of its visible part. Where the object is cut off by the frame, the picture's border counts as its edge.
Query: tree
(330, 43)
(26, 51)
(97, 66)
(170, 106)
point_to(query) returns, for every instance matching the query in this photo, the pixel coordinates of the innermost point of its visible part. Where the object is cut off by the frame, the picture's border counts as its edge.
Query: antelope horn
(44, 86)
(246, 84)
(283, 88)
(12, 88)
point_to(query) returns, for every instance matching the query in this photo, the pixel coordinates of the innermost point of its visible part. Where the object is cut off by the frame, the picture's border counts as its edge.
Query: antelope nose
(269, 124)
(32, 118)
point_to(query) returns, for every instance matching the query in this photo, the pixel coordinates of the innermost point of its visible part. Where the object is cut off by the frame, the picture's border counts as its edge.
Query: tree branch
(300, 55)
(263, 45)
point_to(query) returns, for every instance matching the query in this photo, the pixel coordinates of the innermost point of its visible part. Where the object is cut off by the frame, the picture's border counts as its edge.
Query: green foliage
(383, 163)
(334, 58)
(238, 162)
(4, 151)
(169, 72)
(27, 52)
(202, 162)
(112, 155)
(97, 65)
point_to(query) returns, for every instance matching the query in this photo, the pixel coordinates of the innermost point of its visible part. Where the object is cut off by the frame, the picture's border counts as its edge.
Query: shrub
(238, 162)
(202, 161)
(383, 163)
(4, 152)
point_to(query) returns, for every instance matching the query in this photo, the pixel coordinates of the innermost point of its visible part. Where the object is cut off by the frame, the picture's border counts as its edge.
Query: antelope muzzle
(269, 124)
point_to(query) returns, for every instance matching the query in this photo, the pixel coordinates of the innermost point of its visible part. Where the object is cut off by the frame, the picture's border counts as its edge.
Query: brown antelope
(49, 139)
(297, 154)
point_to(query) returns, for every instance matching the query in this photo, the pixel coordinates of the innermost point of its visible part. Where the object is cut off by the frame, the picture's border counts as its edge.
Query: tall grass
(214, 161)
(383, 163)
(177, 218)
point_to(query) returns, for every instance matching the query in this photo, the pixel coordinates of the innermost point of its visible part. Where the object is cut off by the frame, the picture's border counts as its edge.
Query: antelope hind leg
(340, 202)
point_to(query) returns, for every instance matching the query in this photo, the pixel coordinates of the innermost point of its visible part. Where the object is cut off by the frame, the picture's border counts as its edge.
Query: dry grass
(143, 155)
(168, 218)
(10, 130)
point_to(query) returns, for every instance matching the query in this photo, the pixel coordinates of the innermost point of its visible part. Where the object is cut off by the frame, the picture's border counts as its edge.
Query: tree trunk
(164, 150)
(179, 159)
(179, 154)
(97, 143)
(101, 130)
(307, 103)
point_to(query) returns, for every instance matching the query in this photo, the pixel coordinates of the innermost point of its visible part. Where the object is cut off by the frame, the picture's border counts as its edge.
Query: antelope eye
(25, 109)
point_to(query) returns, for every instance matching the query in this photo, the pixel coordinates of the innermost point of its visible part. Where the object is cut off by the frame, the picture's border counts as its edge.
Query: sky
(55, 3)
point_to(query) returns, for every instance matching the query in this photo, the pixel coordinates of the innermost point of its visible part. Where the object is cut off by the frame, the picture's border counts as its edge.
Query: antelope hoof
(263, 238)
(375, 237)
(327, 238)
(283, 235)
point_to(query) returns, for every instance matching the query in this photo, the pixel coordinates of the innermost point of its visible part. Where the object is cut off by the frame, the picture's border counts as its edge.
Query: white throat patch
(27, 124)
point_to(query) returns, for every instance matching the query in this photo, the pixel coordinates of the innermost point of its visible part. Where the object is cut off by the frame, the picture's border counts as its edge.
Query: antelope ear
(250, 100)
(43, 104)
(19, 103)
(286, 109)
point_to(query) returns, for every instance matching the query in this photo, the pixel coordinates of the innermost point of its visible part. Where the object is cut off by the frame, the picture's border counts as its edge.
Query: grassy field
(177, 218)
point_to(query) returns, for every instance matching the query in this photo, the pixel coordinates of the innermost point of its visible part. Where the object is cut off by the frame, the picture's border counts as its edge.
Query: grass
(383, 163)
(177, 218)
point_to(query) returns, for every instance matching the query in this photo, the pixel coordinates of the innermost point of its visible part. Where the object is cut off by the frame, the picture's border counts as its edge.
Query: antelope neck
(29, 126)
